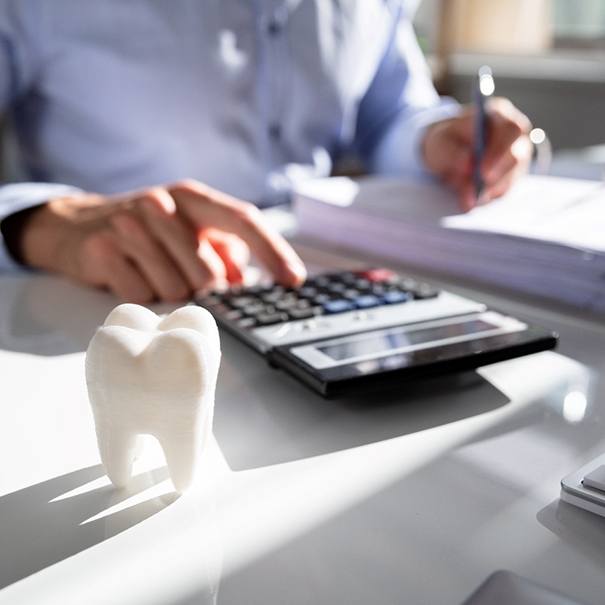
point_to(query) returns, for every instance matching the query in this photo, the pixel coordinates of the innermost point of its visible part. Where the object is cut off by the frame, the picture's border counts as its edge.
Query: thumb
(447, 154)
(454, 159)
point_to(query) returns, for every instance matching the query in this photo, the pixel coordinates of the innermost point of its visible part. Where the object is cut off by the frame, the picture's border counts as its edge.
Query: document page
(565, 211)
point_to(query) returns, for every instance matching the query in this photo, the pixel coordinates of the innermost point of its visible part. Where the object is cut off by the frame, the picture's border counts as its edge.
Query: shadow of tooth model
(39, 527)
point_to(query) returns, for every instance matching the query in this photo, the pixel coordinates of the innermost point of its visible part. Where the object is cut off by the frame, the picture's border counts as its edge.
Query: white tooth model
(156, 376)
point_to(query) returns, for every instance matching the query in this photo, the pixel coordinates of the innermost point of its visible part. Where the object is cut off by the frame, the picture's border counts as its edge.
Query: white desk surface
(412, 497)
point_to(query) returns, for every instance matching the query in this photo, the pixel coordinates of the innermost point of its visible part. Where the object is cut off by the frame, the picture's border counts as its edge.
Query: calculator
(353, 331)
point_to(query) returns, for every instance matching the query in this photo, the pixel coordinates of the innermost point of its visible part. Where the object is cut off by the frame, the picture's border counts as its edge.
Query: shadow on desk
(585, 531)
(48, 315)
(263, 416)
(44, 524)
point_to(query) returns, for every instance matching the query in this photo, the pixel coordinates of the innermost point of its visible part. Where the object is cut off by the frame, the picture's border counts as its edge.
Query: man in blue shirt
(143, 125)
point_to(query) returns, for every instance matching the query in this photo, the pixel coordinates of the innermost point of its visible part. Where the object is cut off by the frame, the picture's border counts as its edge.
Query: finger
(206, 207)
(506, 125)
(501, 139)
(177, 237)
(234, 253)
(504, 165)
(157, 268)
(467, 196)
(127, 283)
(462, 126)
(105, 265)
(510, 172)
(499, 188)
(463, 184)
(444, 150)
(213, 265)
(459, 174)
(517, 158)
(460, 161)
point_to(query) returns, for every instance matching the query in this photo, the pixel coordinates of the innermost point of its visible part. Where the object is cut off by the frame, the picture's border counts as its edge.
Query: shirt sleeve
(19, 196)
(399, 105)
(17, 67)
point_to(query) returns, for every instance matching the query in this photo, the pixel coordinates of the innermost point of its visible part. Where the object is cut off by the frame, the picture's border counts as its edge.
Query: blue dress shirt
(247, 96)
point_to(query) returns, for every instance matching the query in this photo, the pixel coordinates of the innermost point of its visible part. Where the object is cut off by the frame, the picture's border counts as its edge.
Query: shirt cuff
(399, 153)
(19, 196)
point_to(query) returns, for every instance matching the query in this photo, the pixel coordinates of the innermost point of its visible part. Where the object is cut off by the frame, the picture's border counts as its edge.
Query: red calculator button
(375, 275)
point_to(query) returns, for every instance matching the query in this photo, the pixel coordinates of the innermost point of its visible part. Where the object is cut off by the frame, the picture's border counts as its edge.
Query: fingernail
(297, 270)
(220, 283)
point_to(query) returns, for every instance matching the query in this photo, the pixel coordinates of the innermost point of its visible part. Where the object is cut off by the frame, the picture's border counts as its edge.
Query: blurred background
(548, 57)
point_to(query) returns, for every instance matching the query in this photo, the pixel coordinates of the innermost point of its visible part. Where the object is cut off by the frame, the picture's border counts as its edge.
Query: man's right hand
(163, 243)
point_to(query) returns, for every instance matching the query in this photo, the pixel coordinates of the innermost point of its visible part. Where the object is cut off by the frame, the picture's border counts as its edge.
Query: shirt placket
(272, 26)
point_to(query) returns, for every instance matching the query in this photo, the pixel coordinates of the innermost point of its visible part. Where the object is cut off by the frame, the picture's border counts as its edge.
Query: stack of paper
(545, 237)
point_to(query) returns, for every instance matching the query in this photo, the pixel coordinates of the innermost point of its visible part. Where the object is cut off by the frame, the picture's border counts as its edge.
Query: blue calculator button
(338, 306)
(367, 301)
(392, 298)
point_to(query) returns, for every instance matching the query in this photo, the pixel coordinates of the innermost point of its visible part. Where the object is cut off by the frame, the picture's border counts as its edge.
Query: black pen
(483, 91)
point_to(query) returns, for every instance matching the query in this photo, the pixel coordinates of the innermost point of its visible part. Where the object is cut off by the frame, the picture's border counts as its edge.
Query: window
(510, 26)
(579, 25)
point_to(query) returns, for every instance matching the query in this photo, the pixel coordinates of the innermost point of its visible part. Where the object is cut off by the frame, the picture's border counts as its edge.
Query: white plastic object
(151, 375)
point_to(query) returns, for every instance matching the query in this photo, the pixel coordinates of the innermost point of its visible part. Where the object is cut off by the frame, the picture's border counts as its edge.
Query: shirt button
(275, 131)
(273, 27)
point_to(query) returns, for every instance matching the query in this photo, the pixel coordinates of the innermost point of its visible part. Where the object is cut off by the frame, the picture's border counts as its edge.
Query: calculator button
(233, 315)
(302, 304)
(239, 302)
(301, 313)
(408, 284)
(267, 319)
(321, 299)
(351, 294)
(423, 291)
(336, 288)
(362, 284)
(254, 309)
(272, 297)
(220, 309)
(286, 303)
(339, 305)
(377, 275)
(209, 301)
(395, 297)
(378, 289)
(367, 301)
(308, 292)
(246, 323)
(321, 281)
(348, 278)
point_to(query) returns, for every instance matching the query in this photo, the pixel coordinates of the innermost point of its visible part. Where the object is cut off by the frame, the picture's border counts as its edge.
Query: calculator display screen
(369, 344)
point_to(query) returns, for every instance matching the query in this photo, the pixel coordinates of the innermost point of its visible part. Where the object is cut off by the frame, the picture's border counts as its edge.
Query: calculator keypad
(325, 294)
